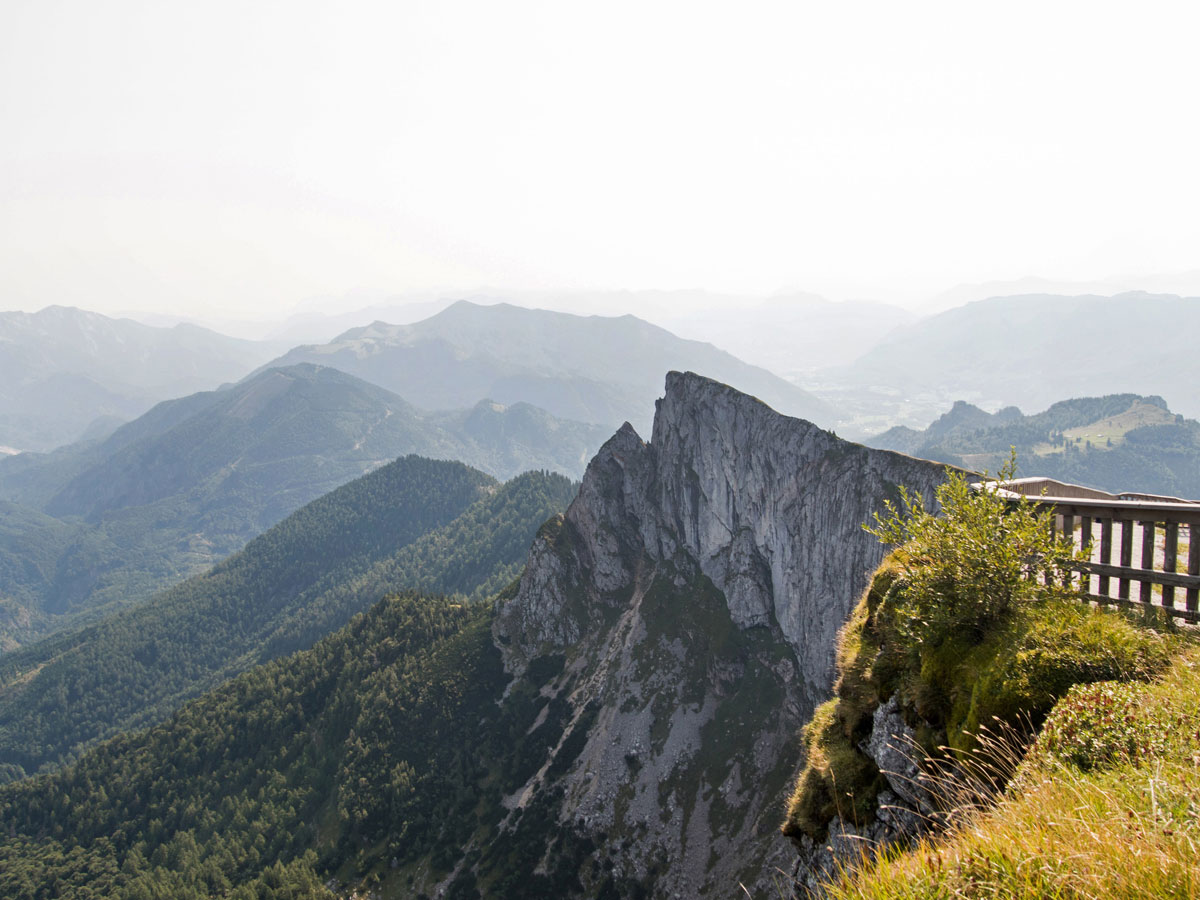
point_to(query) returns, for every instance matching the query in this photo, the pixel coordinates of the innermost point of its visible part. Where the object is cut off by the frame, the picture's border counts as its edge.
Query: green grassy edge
(1013, 671)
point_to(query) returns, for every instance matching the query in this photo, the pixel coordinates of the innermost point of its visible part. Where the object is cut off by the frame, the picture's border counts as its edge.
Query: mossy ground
(1013, 671)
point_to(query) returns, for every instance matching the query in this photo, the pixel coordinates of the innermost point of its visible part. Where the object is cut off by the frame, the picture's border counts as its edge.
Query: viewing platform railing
(1138, 549)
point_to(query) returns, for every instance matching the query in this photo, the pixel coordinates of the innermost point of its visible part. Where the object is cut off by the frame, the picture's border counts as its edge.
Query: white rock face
(893, 747)
(695, 588)
(770, 507)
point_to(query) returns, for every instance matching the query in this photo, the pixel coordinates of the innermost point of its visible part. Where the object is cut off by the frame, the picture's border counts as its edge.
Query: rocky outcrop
(770, 508)
(819, 861)
(695, 588)
(903, 810)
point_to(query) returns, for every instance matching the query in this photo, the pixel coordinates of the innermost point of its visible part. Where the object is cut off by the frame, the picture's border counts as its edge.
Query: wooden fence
(1138, 549)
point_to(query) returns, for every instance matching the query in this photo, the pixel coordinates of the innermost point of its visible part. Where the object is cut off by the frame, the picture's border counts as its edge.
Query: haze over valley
(541, 451)
(390, 528)
(127, 509)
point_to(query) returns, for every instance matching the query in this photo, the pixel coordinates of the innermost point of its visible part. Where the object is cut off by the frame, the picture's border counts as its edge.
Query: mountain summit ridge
(598, 369)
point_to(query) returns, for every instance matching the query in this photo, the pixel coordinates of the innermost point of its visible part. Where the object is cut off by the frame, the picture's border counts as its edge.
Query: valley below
(301, 637)
(561, 451)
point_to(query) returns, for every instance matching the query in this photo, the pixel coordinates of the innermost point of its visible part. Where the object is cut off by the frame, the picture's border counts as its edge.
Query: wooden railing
(1126, 540)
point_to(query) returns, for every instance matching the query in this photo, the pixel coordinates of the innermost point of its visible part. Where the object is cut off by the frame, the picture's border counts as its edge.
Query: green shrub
(966, 567)
(1044, 650)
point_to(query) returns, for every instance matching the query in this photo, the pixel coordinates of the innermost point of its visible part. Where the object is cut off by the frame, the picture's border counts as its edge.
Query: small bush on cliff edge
(960, 624)
(969, 565)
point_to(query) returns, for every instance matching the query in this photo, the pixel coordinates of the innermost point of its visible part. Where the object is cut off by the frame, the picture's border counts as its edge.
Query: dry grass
(1128, 830)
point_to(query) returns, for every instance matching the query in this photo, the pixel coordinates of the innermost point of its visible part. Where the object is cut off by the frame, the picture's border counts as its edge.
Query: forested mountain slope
(606, 370)
(257, 771)
(439, 525)
(623, 723)
(194, 479)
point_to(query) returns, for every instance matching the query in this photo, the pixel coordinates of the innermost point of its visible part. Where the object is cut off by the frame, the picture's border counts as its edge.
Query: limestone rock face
(695, 589)
(893, 747)
(771, 509)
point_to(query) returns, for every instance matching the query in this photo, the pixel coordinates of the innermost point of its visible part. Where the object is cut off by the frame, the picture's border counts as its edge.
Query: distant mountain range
(1033, 350)
(93, 526)
(69, 374)
(1185, 284)
(604, 370)
(62, 368)
(1120, 442)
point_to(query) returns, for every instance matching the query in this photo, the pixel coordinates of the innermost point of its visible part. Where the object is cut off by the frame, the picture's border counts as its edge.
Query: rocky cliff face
(768, 507)
(902, 810)
(694, 591)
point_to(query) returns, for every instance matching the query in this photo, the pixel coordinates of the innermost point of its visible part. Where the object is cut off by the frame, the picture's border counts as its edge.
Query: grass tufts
(1094, 811)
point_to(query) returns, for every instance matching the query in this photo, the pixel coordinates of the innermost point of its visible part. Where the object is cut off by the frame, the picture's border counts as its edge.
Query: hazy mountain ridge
(1028, 351)
(194, 479)
(597, 369)
(793, 334)
(61, 368)
(1121, 442)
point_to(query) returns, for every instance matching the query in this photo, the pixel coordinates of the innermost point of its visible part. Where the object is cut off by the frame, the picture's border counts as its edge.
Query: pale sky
(237, 159)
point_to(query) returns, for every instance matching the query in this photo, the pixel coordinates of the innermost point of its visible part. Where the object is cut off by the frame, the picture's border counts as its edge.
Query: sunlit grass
(1126, 829)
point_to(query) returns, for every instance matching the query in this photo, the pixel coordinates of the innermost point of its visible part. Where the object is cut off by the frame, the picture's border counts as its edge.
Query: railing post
(1046, 576)
(1193, 565)
(1170, 558)
(1146, 594)
(1126, 557)
(1106, 526)
(1085, 544)
(1069, 535)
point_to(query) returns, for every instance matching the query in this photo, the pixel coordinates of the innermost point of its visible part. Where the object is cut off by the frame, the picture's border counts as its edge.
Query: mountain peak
(595, 369)
(687, 394)
(739, 490)
(692, 576)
